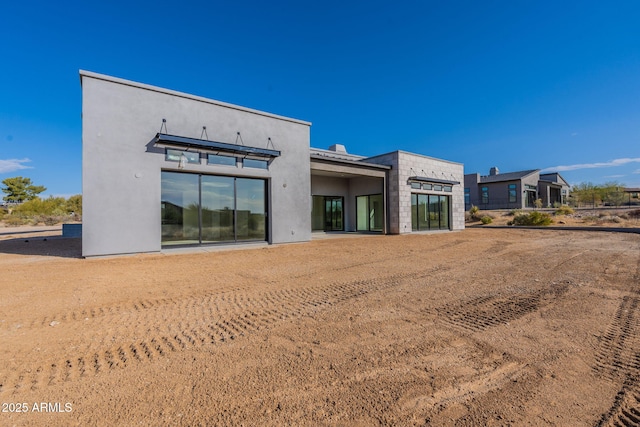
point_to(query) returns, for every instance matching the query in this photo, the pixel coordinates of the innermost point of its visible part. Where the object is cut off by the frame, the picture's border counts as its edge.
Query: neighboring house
(164, 169)
(632, 196)
(514, 190)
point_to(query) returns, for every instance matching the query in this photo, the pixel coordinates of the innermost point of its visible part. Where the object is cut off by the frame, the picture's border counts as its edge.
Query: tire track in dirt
(618, 359)
(148, 330)
(619, 352)
(489, 311)
(625, 410)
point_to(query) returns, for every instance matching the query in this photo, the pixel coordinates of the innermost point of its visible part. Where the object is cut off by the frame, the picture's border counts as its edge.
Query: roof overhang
(321, 165)
(218, 147)
(433, 180)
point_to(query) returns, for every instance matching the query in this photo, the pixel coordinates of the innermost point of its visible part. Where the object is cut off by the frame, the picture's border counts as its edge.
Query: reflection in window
(250, 209)
(429, 212)
(253, 163)
(218, 206)
(175, 156)
(415, 185)
(369, 213)
(180, 208)
(485, 195)
(216, 159)
(206, 209)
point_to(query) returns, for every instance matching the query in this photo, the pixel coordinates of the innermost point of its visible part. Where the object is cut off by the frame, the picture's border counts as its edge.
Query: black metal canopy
(183, 141)
(432, 180)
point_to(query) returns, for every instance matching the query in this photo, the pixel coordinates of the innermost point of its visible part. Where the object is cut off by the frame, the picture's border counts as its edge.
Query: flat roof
(84, 73)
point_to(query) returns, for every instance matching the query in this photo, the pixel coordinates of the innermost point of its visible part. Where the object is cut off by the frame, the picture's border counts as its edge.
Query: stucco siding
(121, 168)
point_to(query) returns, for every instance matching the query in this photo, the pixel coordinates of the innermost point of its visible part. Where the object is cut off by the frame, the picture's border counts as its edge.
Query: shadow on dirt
(43, 246)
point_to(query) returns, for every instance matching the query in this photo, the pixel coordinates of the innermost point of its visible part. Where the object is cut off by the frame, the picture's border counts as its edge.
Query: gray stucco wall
(121, 169)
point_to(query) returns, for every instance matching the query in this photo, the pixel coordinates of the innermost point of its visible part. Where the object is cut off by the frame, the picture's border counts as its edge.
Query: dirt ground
(488, 327)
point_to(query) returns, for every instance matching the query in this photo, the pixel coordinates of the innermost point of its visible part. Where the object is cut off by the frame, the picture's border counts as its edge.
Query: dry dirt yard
(489, 327)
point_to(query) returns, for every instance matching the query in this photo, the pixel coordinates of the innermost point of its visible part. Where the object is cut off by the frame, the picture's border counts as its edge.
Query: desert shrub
(486, 219)
(474, 214)
(634, 213)
(514, 212)
(51, 219)
(611, 218)
(557, 205)
(538, 203)
(37, 206)
(15, 221)
(532, 218)
(564, 210)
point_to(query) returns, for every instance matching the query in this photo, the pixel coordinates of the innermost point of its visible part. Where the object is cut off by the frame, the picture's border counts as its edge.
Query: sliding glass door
(369, 213)
(199, 209)
(327, 213)
(429, 212)
(179, 209)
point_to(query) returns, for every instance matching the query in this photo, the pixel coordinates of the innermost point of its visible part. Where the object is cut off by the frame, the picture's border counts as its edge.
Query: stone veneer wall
(405, 165)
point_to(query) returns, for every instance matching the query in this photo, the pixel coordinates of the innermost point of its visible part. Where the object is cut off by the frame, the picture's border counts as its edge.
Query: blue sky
(514, 84)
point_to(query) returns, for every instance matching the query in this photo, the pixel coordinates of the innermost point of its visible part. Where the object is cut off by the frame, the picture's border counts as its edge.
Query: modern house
(163, 168)
(632, 195)
(514, 190)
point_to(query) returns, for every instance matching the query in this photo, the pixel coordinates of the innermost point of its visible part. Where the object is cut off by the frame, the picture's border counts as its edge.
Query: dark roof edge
(349, 162)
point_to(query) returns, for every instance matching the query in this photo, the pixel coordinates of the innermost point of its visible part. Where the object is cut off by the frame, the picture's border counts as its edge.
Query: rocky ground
(480, 327)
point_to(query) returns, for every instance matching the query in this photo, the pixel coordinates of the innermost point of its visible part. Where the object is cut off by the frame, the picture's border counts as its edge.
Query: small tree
(20, 189)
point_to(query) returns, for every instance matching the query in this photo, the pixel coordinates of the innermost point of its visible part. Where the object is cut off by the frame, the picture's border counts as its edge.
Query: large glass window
(327, 213)
(218, 207)
(206, 209)
(250, 209)
(369, 213)
(317, 213)
(179, 208)
(444, 212)
(429, 212)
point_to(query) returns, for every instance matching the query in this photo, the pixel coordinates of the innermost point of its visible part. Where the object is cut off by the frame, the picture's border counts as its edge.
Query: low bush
(611, 218)
(15, 221)
(51, 219)
(486, 219)
(634, 214)
(534, 218)
(564, 210)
